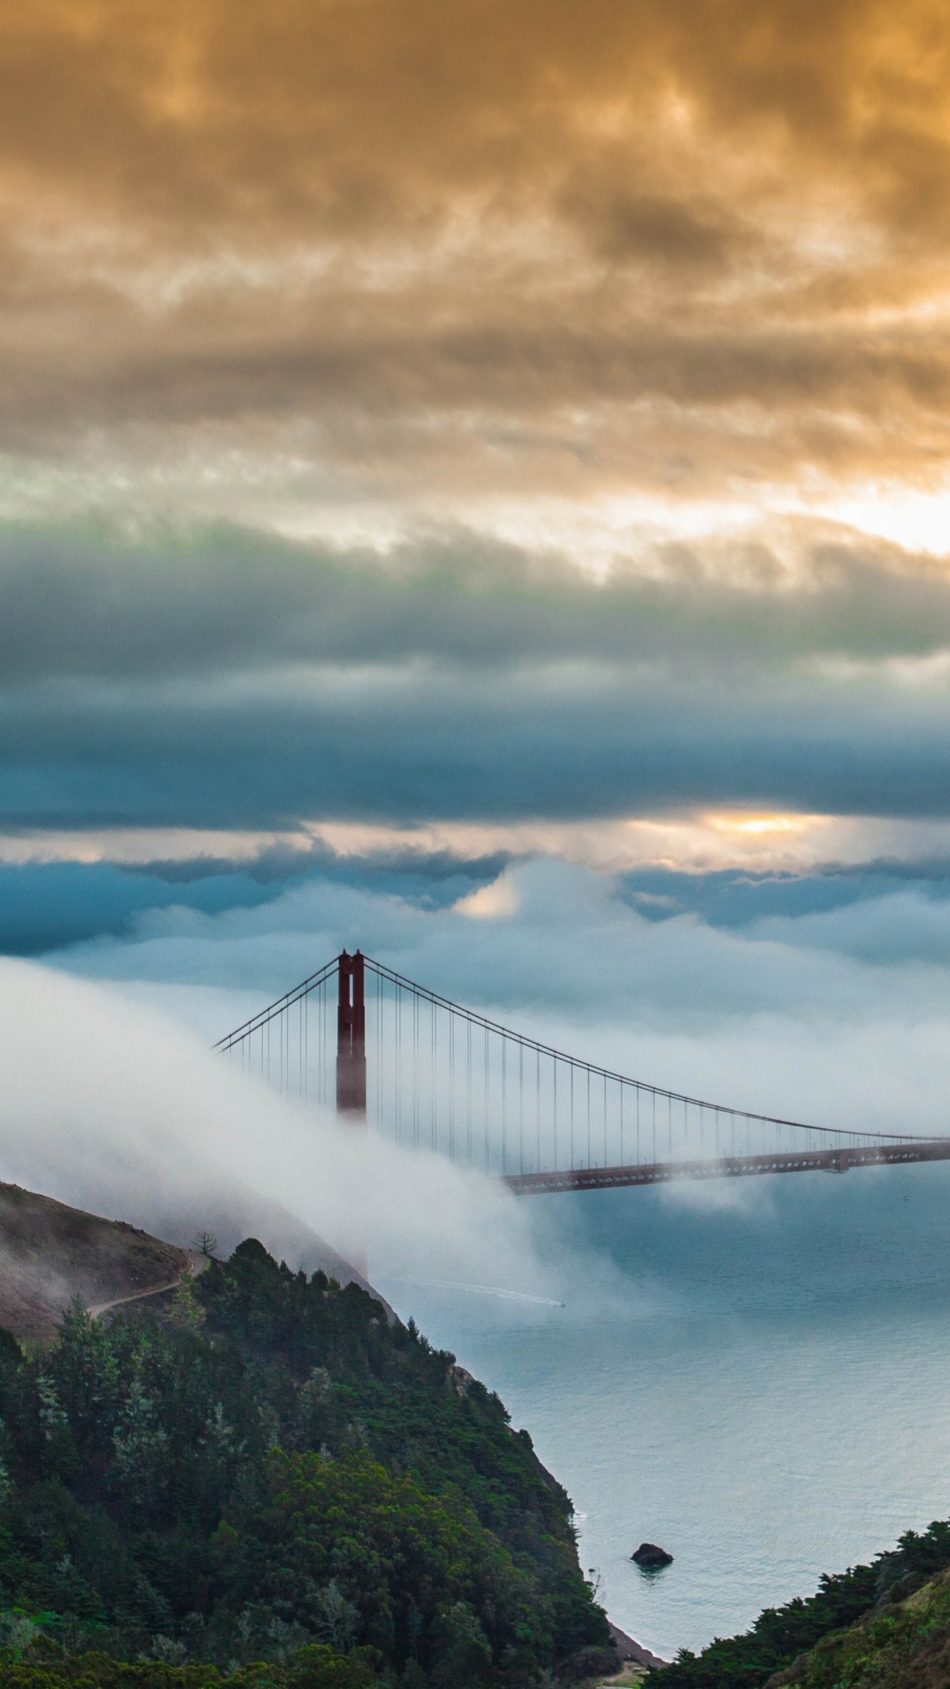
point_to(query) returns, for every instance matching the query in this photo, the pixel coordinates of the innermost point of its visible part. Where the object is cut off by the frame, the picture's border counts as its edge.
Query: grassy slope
(903, 1646)
(50, 1253)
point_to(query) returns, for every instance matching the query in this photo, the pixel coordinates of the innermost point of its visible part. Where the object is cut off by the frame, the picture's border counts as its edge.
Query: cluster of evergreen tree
(781, 1634)
(273, 1484)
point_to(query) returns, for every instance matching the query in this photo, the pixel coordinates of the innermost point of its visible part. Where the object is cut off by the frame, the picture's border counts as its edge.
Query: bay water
(757, 1379)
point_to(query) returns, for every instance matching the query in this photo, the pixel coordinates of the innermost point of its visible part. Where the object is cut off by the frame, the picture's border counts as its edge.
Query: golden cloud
(507, 250)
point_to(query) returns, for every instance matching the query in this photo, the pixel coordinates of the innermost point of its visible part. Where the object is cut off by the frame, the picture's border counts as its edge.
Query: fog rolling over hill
(50, 1253)
(133, 1114)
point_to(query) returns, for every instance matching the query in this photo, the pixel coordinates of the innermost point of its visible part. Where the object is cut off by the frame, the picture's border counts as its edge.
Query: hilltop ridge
(51, 1252)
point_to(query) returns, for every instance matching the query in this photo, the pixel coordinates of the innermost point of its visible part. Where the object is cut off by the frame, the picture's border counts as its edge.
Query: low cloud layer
(831, 1009)
(222, 680)
(196, 605)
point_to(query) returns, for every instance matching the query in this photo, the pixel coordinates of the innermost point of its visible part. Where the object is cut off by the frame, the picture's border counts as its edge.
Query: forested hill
(271, 1484)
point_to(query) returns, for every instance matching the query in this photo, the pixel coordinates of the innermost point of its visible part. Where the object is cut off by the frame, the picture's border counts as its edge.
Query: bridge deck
(732, 1166)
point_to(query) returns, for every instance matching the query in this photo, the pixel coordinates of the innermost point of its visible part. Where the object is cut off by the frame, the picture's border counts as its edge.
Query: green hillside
(271, 1483)
(903, 1645)
(870, 1627)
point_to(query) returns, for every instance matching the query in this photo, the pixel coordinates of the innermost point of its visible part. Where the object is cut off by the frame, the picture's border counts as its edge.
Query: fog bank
(108, 1105)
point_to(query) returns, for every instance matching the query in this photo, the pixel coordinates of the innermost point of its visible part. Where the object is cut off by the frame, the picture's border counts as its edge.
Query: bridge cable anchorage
(428, 1086)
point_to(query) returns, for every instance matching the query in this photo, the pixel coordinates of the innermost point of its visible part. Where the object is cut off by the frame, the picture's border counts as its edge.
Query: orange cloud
(392, 257)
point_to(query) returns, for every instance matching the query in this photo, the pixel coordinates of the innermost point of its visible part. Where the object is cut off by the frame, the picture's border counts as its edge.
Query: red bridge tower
(351, 1038)
(351, 1071)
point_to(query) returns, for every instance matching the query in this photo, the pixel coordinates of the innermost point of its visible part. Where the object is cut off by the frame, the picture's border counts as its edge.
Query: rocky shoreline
(633, 1652)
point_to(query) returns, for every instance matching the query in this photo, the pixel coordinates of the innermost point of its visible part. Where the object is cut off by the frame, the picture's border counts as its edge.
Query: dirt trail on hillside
(51, 1253)
(196, 1265)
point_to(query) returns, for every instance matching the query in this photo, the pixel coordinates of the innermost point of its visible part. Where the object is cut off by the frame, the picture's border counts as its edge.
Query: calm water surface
(765, 1392)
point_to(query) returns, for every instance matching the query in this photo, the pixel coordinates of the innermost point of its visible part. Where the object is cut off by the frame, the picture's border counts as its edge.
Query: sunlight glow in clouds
(916, 518)
(698, 842)
(764, 825)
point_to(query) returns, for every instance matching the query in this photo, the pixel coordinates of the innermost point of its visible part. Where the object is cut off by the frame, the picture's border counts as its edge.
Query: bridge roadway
(732, 1166)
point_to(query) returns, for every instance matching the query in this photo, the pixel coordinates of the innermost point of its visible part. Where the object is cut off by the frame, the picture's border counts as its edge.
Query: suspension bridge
(432, 1075)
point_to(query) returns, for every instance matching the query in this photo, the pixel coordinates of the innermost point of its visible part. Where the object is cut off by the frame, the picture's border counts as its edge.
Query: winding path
(196, 1264)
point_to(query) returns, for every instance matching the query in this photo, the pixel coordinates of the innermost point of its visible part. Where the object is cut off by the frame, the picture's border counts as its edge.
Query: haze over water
(766, 1397)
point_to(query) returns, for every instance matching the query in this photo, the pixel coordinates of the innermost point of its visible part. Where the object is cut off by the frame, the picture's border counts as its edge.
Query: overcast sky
(446, 447)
